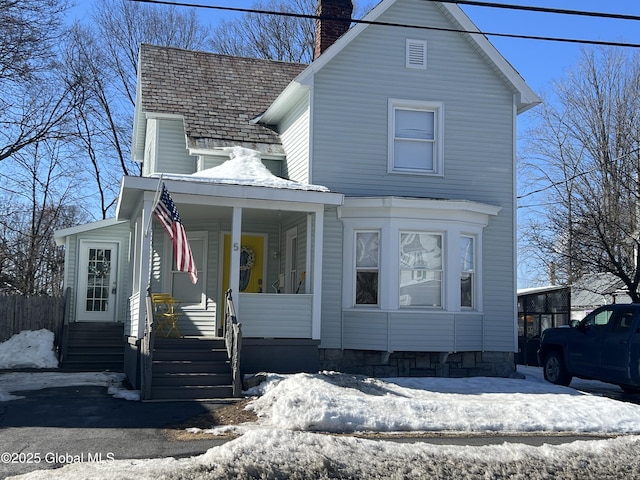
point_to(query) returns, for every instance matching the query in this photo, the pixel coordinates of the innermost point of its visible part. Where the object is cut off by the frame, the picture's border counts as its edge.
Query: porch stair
(94, 346)
(194, 368)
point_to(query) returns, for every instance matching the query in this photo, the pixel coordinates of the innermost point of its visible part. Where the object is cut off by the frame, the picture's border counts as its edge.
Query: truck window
(623, 323)
(598, 319)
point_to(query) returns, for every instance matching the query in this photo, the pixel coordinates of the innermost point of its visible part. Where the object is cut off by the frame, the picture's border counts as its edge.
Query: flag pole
(153, 206)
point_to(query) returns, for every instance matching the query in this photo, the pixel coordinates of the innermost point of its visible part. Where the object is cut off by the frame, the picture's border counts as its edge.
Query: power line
(401, 25)
(562, 11)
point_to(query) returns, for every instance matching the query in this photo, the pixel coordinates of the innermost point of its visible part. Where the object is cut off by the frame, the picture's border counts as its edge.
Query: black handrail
(233, 342)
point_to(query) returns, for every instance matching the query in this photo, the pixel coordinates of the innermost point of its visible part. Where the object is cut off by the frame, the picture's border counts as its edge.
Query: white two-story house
(366, 222)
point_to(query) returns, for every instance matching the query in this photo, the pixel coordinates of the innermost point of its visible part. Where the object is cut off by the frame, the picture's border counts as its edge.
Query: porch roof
(186, 191)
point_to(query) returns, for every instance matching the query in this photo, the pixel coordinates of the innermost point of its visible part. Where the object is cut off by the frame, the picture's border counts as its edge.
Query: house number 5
(236, 247)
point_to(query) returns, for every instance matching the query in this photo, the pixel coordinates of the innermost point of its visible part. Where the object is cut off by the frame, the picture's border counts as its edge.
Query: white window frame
(473, 272)
(425, 270)
(202, 269)
(437, 108)
(357, 269)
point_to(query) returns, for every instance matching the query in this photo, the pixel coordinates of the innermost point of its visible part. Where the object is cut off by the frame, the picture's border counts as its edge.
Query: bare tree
(272, 37)
(34, 100)
(586, 151)
(38, 196)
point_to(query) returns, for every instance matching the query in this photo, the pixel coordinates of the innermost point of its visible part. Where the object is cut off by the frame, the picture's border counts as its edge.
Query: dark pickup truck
(604, 346)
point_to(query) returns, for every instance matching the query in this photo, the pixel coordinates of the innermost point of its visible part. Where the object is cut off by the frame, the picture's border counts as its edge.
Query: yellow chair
(166, 314)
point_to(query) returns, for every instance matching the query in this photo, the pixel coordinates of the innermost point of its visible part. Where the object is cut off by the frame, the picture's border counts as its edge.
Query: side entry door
(97, 282)
(616, 343)
(585, 342)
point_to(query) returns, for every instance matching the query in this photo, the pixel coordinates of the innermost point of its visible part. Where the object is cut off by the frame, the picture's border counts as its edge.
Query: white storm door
(97, 281)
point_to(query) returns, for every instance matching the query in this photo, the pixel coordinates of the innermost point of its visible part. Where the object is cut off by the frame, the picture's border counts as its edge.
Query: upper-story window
(415, 137)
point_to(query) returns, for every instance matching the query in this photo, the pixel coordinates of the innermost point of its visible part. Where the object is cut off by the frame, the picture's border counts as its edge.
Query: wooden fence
(30, 313)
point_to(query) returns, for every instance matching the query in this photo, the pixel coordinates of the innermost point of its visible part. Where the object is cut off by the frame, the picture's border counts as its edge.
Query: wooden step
(193, 368)
(191, 379)
(190, 392)
(181, 366)
(94, 346)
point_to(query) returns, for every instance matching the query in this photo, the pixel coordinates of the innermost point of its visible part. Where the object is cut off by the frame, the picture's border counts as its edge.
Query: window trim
(442, 270)
(357, 269)
(473, 271)
(437, 108)
(200, 235)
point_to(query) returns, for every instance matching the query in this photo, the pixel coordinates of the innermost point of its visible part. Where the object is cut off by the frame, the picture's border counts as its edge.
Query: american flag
(167, 213)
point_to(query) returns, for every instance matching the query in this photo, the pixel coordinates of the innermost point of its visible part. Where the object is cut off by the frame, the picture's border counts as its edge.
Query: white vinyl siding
(294, 134)
(413, 331)
(165, 147)
(332, 278)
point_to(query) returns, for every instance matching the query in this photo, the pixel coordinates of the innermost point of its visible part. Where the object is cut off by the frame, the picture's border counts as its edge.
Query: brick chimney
(328, 31)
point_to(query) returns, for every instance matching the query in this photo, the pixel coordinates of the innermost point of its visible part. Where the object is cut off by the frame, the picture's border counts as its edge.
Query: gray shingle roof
(218, 95)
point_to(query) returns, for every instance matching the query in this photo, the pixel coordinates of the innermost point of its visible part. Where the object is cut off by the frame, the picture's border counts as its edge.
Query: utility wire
(402, 25)
(562, 11)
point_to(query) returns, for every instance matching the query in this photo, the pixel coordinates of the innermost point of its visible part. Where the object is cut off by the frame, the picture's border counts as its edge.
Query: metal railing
(233, 342)
(146, 353)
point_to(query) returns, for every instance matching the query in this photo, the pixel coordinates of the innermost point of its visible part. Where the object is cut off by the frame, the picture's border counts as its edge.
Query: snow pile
(29, 349)
(332, 402)
(301, 455)
(244, 167)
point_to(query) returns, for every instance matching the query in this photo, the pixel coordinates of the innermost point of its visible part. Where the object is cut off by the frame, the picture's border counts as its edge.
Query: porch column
(234, 263)
(145, 259)
(315, 236)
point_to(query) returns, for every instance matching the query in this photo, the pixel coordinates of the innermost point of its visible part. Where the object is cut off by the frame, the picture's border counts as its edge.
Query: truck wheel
(554, 369)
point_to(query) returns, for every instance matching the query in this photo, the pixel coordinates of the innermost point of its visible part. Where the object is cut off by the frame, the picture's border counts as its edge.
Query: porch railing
(233, 342)
(146, 353)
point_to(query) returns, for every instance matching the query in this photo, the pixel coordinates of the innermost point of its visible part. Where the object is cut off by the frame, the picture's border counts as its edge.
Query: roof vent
(416, 54)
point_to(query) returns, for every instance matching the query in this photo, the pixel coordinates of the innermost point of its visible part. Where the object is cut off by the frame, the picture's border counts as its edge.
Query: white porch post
(234, 263)
(315, 237)
(145, 259)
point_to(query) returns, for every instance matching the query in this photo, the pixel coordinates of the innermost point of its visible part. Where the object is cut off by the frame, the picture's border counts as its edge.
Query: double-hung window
(421, 269)
(415, 137)
(367, 259)
(467, 271)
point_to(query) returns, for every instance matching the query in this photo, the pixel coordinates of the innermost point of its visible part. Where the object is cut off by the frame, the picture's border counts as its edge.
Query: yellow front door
(251, 264)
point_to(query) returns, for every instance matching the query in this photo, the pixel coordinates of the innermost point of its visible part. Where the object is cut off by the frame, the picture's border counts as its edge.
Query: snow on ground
(293, 409)
(34, 349)
(29, 349)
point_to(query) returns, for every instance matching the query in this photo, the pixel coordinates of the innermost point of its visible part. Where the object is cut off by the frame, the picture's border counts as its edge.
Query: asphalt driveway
(54, 426)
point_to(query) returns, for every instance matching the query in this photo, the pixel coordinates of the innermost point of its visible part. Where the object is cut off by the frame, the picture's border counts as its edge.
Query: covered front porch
(264, 244)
